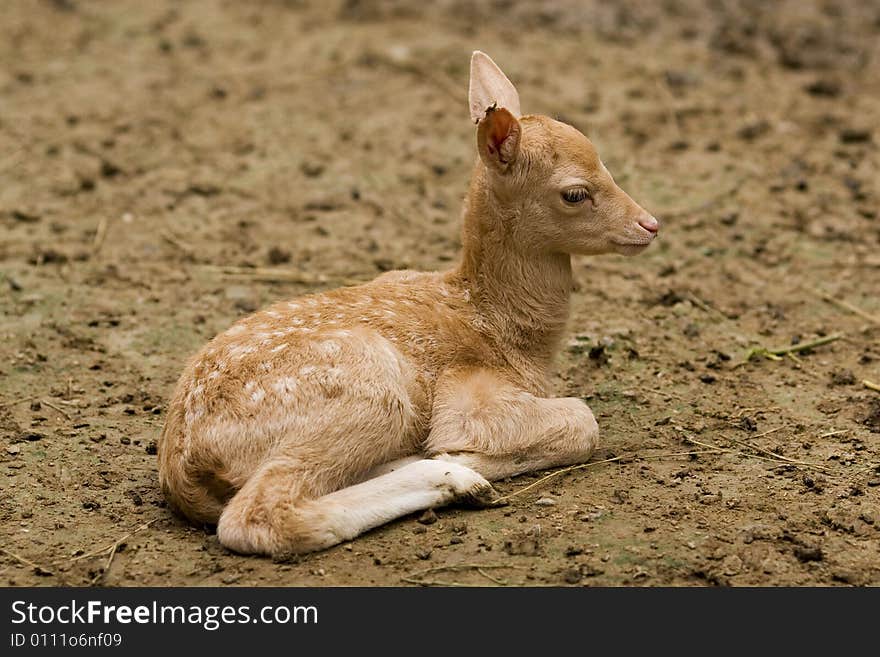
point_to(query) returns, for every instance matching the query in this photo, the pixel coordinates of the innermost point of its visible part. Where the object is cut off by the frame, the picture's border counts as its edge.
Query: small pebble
(546, 501)
(428, 517)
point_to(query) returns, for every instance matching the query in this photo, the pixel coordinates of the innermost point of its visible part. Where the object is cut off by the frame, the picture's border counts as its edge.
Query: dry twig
(115, 545)
(582, 466)
(38, 569)
(840, 303)
(418, 577)
(777, 354)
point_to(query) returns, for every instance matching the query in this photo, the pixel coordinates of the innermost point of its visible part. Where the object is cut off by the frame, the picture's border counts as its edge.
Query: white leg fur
(308, 525)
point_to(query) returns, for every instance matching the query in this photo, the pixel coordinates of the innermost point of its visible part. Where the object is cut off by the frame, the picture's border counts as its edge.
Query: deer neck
(522, 296)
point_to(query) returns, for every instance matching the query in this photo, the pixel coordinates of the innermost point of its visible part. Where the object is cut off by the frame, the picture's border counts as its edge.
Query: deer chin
(630, 248)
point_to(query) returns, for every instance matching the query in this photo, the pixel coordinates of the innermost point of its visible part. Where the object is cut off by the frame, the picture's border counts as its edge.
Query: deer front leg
(489, 425)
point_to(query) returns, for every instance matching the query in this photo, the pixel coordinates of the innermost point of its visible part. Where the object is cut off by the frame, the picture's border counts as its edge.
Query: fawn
(315, 420)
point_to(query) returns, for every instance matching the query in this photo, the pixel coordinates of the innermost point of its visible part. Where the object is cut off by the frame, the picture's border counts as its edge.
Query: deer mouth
(632, 247)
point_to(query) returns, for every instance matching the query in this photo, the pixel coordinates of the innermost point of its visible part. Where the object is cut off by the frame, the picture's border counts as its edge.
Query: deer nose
(650, 224)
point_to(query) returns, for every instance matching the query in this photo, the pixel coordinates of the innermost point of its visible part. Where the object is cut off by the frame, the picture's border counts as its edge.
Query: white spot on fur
(257, 395)
(240, 351)
(273, 314)
(236, 329)
(329, 348)
(293, 306)
(307, 370)
(280, 347)
(285, 386)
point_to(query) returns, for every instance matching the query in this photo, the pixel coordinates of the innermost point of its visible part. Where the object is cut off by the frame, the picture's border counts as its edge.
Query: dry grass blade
(771, 456)
(176, 242)
(100, 235)
(38, 569)
(583, 466)
(56, 408)
(115, 545)
(777, 354)
(418, 577)
(845, 305)
(16, 402)
(870, 385)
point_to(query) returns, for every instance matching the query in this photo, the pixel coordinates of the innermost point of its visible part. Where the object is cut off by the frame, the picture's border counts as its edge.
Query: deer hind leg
(268, 517)
(489, 425)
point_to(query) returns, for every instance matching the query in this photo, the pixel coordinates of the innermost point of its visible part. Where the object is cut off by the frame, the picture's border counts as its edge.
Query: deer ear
(489, 87)
(498, 138)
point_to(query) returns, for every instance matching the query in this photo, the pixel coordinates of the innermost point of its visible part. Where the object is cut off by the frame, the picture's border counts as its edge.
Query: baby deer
(315, 420)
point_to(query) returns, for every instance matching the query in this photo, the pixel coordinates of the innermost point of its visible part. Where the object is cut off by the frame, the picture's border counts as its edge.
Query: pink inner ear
(501, 125)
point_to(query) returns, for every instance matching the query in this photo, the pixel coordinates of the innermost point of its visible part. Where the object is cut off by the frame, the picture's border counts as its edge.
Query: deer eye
(575, 195)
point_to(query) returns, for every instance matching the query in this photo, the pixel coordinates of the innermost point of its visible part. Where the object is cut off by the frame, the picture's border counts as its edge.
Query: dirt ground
(302, 145)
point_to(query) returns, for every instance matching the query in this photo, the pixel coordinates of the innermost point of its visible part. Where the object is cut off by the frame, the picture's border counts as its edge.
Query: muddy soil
(303, 145)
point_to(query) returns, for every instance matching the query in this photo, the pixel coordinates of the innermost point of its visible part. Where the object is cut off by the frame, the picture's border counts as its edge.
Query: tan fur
(316, 419)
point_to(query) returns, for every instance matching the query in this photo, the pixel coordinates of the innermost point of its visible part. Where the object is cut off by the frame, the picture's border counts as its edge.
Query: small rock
(151, 448)
(824, 87)
(572, 575)
(312, 169)
(842, 378)
(424, 555)
(732, 565)
(546, 501)
(278, 256)
(599, 355)
(13, 449)
(748, 423)
(25, 216)
(854, 136)
(807, 553)
(428, 517)
(419, 529)
(752, 131)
